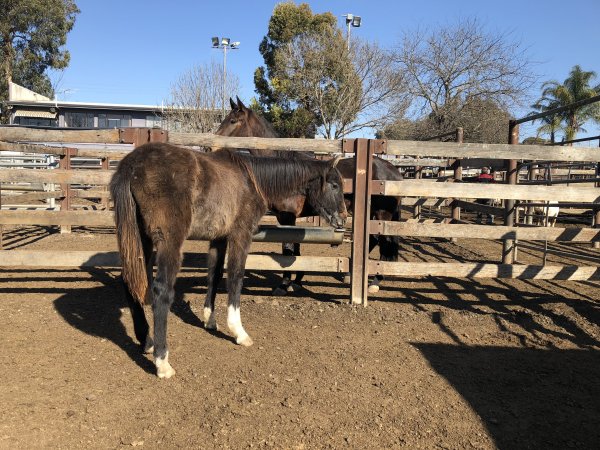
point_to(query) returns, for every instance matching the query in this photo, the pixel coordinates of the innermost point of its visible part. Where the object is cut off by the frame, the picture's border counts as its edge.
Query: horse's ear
(335, 161)
(241, 106)
(232, 103)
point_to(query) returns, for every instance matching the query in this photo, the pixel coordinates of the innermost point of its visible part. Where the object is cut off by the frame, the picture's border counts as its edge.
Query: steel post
(508, 248)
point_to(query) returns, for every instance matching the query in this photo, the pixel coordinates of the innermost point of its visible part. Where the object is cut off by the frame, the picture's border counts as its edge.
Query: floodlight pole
(224, 44)
(224, 81)
(348, 33)
(351, 21)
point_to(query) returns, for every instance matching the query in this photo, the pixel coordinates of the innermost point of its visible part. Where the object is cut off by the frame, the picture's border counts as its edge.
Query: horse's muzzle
(338, 222)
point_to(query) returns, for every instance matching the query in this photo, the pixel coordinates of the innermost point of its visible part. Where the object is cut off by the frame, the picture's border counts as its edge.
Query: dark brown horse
(243, 122)
(165, 194)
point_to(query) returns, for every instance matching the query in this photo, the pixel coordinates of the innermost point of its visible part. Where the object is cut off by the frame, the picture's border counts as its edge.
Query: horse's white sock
(163, 368)
(234, 322)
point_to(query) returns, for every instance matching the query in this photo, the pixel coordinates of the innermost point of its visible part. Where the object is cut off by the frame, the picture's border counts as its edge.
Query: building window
(79, 120)
(114, 120)
(153, 121)
(34, 122)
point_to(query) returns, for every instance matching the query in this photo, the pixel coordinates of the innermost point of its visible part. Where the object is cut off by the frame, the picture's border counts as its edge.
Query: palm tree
(550, 124)
(575, 88)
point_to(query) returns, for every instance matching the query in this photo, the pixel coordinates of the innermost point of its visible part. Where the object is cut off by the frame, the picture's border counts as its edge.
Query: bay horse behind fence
(244, 122)
(164, 194)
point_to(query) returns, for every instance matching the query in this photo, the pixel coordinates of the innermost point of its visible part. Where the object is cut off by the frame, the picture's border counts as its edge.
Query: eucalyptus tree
(33, 34)
(312, 83)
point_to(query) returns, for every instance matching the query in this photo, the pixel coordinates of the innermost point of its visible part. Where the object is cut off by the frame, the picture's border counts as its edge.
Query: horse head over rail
(164, 194)
(244, 122)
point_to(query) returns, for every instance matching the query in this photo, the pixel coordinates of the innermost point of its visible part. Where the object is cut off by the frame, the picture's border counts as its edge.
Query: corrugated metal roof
(37, 113)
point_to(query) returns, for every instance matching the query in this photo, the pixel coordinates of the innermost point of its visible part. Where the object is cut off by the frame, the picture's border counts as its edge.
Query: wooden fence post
(417, 208)
(456, 166)
(106, 166)
(508, 247)
(363, 151)
(1, 225)
(65, 203)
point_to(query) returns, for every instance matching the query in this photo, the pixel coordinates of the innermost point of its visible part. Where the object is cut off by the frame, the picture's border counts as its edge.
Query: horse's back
(163, 180)
(382, 169)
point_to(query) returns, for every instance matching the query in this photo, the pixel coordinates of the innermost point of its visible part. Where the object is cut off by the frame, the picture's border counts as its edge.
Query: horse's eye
(233, 120)
(335, 186)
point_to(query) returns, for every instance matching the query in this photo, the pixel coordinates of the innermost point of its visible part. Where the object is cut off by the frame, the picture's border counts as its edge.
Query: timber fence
(364, 150)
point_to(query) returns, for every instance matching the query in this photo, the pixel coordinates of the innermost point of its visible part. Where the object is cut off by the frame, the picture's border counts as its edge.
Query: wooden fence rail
(418, 188)
(39, 258)
(463, 231)
(418, 149)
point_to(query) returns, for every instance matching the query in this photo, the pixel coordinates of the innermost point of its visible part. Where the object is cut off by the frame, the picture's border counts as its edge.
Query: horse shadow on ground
(526, 398)
(99, 311)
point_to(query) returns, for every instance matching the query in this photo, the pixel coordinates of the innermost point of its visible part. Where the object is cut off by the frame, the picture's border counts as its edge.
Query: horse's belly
(211, 226)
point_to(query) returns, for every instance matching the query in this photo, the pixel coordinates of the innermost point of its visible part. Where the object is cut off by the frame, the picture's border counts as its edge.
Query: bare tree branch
(196, 99)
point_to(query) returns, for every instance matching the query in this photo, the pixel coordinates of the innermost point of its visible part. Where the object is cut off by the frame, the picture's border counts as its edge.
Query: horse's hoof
(294, 287)
(210, 325)
(279, 291)
(245, 341)
(209, 319)
(148, 346)
(163, 368)
(165, 371)
(373, 289)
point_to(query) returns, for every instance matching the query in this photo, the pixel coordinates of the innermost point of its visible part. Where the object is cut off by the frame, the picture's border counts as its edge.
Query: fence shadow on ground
(527, 398)
(523, 308)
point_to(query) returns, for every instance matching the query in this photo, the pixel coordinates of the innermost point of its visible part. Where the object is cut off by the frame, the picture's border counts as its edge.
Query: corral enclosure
(462, 348)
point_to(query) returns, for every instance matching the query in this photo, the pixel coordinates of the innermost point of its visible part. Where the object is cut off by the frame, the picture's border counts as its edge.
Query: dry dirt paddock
(430, 363)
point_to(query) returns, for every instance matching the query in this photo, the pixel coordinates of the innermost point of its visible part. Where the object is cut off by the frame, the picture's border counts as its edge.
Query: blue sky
(131, 51)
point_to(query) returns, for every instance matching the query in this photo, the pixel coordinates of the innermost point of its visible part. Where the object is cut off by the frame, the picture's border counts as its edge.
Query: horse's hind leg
(236, 263)
(216, 260)
(168, 260)
(140, 324)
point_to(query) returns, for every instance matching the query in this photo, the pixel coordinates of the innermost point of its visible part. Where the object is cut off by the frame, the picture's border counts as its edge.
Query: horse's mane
(275, 176)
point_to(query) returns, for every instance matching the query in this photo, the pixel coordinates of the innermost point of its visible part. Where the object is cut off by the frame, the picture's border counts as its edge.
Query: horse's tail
(129, 236)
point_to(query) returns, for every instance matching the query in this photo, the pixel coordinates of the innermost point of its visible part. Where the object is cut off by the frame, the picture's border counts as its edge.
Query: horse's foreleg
(238, 252)
(168, 259)
(299, 275)
(216, 260)
(289, 249)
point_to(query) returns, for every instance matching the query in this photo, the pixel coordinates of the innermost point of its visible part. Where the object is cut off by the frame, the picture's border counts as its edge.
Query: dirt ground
(430, 363)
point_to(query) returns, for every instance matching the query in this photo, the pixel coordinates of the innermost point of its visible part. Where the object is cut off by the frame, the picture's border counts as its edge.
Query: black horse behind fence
(165, 194)
(243, 122)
